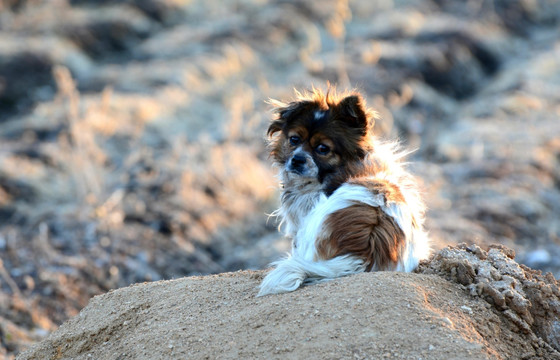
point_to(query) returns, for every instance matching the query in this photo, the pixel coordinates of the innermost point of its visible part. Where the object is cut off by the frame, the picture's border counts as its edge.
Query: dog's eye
(294, 140)
(322, 149)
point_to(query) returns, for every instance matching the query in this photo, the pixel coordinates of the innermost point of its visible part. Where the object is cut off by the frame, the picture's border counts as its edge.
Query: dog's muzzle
(300, 165)
(297, 164)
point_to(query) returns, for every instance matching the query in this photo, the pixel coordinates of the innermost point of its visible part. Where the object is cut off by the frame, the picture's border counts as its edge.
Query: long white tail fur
(290, 273)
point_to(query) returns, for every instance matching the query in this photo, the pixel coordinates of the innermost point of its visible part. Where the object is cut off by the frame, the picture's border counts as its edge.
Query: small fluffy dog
(348, 204)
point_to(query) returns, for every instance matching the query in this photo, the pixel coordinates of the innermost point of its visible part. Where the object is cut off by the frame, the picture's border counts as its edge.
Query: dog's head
(318, 138)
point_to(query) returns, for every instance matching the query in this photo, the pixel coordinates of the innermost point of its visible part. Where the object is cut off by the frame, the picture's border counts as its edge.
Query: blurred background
(132, 133)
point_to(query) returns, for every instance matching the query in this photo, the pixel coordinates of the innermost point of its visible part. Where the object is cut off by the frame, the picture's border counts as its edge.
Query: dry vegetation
(132, 133)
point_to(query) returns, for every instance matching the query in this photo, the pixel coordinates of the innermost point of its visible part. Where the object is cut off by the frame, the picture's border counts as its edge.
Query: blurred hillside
(132, 132)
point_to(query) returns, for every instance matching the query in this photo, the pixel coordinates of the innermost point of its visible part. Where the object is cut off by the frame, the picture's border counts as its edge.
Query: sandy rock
(528, 299)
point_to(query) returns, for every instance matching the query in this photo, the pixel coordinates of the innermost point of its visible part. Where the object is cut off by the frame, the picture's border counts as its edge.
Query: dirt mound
(529, 300)
(464, 303)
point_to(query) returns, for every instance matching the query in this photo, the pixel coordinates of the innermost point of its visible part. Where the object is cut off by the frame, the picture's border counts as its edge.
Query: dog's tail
(292, 272)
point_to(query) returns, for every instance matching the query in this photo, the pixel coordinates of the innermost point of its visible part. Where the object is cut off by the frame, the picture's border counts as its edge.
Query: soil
(380, 315)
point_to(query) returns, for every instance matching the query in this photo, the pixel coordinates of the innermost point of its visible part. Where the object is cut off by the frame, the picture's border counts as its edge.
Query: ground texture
(465, 303)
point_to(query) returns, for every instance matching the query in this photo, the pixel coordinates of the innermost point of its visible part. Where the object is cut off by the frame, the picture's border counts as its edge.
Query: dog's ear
(275, 126)
(286, 113)
(354, 112)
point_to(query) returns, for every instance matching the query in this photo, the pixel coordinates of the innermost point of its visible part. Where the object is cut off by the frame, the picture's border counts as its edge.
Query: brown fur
(390, 191)
(364, 231)
(347, 129)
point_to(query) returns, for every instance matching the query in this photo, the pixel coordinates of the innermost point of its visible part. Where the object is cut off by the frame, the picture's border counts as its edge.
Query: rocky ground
(132, 133)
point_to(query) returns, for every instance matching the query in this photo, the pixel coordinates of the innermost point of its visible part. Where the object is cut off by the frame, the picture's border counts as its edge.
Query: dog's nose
(298, 160)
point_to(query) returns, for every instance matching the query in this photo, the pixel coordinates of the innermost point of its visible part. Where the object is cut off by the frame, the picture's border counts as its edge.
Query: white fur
(312, 224)
(295, 208)
(307, 209)
(319, 114)
(294, 271)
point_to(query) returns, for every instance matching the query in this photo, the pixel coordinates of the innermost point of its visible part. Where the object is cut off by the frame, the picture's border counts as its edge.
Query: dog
(347, 202)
